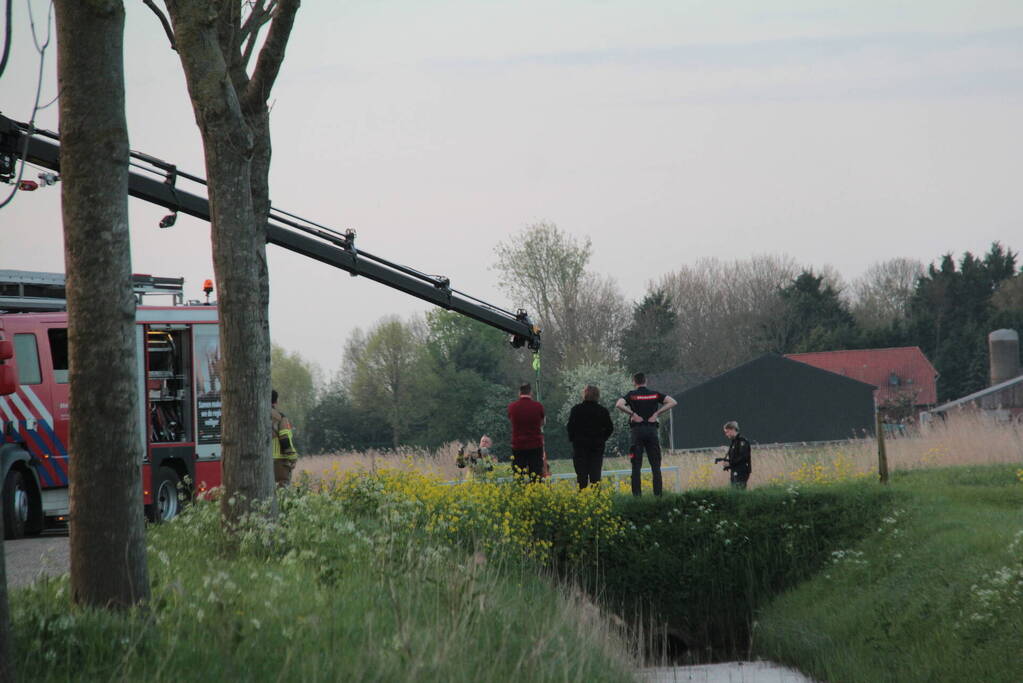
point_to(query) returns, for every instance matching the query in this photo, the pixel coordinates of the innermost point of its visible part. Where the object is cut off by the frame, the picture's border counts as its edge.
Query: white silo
(1003, 346)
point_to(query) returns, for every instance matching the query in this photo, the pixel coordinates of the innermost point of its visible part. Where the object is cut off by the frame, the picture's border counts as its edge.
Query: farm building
(901, 375)
(775, 400)
(1003, 399)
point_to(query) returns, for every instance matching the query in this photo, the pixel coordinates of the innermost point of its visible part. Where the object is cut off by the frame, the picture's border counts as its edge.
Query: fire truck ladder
(156, 181)
(25, 291)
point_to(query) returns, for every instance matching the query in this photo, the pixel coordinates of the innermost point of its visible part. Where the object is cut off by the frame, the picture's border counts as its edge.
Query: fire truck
(178, 355)
(178, 349)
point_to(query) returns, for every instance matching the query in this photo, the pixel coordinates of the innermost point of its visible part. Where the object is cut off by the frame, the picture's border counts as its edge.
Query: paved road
(29, 558)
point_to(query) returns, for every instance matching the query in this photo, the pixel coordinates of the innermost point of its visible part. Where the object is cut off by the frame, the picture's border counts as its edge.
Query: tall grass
(963, 440)
(439, 462)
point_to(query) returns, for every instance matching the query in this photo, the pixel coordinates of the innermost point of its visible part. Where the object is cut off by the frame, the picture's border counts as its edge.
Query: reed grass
(963, 440)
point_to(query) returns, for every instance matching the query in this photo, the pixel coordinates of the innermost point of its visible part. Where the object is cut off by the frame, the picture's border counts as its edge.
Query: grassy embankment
(694, 569)
(918, 581)
(388, 576)
(329, 594)
(934, 594)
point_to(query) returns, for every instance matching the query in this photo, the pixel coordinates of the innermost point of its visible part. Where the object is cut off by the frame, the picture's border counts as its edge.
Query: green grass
(935, 593)
(920, 580)
(323, 596)
(694, 568)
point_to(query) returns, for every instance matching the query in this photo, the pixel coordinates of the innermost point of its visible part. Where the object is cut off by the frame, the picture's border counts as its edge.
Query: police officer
(643, 405)
(738, 458)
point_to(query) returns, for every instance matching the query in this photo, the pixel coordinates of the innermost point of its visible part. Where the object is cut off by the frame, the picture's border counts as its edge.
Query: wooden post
(882, 455)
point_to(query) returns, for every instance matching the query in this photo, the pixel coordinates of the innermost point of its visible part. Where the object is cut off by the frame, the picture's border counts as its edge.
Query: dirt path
(29, 558)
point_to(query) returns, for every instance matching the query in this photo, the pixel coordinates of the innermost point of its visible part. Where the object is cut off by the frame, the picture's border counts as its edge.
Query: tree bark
(108, 556)
(239, 256)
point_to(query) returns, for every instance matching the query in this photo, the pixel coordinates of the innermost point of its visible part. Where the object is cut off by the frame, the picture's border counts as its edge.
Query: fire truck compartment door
(55, 502)
(206, 343)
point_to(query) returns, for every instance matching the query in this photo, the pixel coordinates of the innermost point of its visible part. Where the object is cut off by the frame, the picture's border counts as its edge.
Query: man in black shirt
(643, 405)
(738, 456)
(589, 427)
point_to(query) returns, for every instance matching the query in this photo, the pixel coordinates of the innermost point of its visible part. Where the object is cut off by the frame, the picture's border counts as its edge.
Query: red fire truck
(179, 360)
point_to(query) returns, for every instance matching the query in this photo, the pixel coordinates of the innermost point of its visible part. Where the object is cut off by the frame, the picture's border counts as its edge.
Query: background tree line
(442, 377)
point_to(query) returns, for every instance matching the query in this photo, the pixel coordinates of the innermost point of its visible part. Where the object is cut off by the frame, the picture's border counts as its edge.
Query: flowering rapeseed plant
(524, 520)
(839, 469)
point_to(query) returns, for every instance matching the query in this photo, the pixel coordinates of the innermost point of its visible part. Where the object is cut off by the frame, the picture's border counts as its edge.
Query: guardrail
(613, 475)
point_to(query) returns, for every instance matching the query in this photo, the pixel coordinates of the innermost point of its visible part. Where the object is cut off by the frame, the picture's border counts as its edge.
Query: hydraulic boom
(156, 181)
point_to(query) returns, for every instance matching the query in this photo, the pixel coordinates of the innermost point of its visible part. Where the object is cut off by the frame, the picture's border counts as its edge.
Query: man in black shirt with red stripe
(643, 405)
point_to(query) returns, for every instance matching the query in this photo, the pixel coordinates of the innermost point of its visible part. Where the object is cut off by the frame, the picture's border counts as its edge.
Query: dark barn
(775, 400)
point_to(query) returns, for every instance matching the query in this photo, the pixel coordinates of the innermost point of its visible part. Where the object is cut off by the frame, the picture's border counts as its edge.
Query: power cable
(41, 48)
(7, 38)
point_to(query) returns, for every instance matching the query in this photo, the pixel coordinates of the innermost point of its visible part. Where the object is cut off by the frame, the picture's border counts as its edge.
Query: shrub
(701, 564)
(696, 565)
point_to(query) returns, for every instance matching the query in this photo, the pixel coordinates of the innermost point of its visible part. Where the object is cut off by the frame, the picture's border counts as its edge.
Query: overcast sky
(839, 133)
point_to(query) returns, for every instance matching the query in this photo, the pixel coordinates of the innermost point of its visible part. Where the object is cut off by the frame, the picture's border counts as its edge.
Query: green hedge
(692, 569)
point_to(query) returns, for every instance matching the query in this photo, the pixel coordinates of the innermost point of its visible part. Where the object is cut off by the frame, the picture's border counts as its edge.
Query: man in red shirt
(527, 418)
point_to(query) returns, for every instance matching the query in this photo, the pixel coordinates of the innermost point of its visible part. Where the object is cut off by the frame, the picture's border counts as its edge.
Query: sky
(665, 132)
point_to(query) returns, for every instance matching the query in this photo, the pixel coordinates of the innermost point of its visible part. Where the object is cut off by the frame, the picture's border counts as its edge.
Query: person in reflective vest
(283, 443)
(477, 462)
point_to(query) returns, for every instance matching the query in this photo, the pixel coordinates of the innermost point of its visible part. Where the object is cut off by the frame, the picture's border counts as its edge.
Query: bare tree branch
(163, 20)
(250, 44)
(268, 64)
(258, 16)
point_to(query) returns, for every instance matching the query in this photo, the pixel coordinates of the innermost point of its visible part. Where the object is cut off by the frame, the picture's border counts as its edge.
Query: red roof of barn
(892, 371)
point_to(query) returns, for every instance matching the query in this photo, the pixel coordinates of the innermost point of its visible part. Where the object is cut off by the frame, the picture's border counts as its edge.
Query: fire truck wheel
(17, 505)
(167, 494)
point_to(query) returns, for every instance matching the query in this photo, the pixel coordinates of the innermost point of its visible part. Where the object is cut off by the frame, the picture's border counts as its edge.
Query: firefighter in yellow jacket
(283, 442)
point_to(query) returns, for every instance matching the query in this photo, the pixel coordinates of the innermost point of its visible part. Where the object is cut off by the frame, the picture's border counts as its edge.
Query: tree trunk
(108, 556)
(239, 258)
(7, 674)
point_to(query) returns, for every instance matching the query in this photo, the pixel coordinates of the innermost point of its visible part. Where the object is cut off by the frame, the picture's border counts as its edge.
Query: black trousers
(739, 479)
(644, 439)
(528, 461)
(588, 461)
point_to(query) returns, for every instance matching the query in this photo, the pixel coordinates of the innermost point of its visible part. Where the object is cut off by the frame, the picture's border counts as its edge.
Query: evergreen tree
(814, 317)
(952, 313)
(648, 343)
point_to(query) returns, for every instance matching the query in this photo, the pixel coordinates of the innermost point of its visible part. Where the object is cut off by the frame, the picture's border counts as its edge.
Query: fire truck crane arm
(155, 181)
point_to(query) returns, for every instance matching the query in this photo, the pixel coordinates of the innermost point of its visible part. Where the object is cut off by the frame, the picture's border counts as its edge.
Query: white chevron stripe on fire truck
(20, 405)
(43, 412)
(7, 410)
